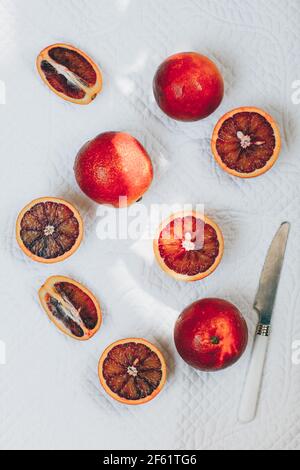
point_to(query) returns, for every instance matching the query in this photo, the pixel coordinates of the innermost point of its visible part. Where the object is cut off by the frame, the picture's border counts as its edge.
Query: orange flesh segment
(49, 230)
(60, 82)
(75, 63)
(132, 371)
(189, 246)
(246, 142)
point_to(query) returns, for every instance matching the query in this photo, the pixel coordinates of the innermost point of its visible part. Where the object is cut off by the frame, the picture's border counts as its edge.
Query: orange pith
(49, 230)
(189, 246)
(132, 371)
(71, 307)
(246, 142)
(70, 73)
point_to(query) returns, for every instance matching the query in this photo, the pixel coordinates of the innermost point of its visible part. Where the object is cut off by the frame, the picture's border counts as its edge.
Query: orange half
(132, 371)
(189, 246)
(246, 142)
(71, 307)
(70, 73)
(49, 230)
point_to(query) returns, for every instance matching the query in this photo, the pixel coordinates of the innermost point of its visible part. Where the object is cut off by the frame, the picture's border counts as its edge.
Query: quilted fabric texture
(49, 391)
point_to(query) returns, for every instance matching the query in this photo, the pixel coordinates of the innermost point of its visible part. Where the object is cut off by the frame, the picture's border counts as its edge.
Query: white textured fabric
(49, 391)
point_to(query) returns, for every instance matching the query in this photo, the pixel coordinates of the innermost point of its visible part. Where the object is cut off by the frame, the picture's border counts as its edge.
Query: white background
(49, 391)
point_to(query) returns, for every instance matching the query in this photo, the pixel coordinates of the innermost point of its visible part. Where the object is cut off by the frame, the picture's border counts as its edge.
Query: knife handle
(252, 388)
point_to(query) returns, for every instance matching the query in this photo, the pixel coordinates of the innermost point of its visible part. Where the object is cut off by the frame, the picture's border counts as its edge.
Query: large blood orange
(188, 86)
(114, 168)
(211, 335)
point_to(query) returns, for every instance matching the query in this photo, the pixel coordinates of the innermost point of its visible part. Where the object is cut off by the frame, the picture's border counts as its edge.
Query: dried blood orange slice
(49, 230)
(189, 246)
(246, 142)
(71, 307)
(132, 371)
(70, 73)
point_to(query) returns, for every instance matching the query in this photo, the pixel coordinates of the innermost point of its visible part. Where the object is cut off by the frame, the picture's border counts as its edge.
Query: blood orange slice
(132, 371)
(49, 230)
(71, 307)
(246, 142)
(189, 246)
(70, 73)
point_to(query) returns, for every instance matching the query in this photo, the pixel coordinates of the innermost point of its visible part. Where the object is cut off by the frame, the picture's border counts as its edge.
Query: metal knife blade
(269, 281)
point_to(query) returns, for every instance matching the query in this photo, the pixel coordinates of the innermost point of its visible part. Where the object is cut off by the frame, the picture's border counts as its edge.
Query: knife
(263, 305)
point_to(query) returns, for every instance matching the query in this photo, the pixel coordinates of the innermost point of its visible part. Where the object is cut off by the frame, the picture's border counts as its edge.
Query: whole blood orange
(246, 142)
(114, 168)
(71, 307)
(70, 73)
(211, 335)
(188, 86)
(189, 246)
(132, 371)
(49, 230)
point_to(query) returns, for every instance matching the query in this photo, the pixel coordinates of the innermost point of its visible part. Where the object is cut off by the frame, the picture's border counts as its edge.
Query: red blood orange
(70, 73)
(71, 307)
(246, 142)
(188, 86)
(189, 246)
(114, 168)
(49, 230)
(211, 335)
(132, 371)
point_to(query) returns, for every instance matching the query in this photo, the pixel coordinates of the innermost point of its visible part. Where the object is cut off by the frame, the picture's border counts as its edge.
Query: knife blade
(264, 306)
(270, 277)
